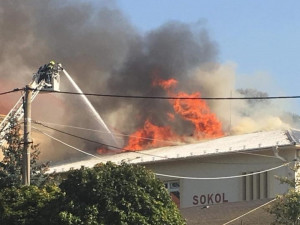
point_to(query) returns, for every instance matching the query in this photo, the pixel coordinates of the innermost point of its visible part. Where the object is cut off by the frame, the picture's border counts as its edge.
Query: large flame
(150, 136)
(196, 111)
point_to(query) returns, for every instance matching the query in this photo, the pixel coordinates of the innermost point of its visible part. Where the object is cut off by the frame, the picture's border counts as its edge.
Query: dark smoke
(171, 51)
(104, 53)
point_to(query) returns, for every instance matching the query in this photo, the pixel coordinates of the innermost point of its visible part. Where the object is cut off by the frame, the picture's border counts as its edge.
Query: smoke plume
(105, 53)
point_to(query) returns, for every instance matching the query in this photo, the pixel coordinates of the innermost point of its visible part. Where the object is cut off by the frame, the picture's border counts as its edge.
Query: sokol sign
(209, 199)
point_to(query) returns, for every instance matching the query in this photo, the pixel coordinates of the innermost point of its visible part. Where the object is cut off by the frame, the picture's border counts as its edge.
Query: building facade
(228, 169)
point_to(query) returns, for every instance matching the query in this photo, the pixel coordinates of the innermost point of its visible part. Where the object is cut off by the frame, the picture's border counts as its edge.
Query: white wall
(204, 192)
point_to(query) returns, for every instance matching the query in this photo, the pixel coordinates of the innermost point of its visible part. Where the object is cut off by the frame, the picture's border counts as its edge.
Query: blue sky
(259, 36)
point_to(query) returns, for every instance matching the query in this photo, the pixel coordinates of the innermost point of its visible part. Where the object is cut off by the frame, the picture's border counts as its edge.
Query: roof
(245, 142)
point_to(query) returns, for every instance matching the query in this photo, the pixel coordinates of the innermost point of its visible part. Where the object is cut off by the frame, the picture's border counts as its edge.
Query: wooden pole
(27, 136)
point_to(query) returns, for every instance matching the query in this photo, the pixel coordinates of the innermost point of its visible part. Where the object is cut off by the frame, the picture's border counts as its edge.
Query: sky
(261, 37)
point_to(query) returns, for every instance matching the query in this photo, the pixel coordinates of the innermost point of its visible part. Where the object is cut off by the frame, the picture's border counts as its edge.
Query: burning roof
(224, 145)
(204, 123)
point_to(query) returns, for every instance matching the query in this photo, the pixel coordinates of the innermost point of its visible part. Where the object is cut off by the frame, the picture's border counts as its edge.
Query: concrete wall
(206, 192)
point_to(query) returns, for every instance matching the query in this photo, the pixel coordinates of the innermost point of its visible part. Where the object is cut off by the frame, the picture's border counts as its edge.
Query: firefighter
(51, 65)
(49, 72)
(45, 73)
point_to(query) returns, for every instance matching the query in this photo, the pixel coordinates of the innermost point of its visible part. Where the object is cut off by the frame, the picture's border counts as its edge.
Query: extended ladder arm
(47, 78)
(17, 112)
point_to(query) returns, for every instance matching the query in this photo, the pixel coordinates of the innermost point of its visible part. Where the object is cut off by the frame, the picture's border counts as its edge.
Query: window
(174, 189)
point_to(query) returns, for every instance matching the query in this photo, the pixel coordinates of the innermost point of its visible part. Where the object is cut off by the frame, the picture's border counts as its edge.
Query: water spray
(91, 107)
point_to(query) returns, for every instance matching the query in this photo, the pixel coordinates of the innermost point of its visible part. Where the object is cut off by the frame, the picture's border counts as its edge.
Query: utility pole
(27, 136)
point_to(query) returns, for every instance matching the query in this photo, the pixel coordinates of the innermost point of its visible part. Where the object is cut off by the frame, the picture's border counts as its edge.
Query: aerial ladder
(47, 78)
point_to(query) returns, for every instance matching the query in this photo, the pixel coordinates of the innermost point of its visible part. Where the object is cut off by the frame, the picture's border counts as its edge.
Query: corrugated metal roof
(245, 142)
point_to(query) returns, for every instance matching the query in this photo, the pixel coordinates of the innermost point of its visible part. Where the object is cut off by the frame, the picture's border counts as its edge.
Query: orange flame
(150, 136)
(165, 84)
(196, 111)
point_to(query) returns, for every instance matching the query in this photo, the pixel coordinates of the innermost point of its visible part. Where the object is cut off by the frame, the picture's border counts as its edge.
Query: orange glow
(165, 84)
(150, 136)
(171, 116)
(196, 111)
(104, 150)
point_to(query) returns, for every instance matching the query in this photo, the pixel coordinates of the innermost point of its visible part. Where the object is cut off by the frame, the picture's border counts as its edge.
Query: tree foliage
(111, 194)
(28, 205)
(286, 207)
(11, 165)
(248, 92)
(105, 194)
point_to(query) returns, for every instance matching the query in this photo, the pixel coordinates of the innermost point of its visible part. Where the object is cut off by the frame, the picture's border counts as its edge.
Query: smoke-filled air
(105, 54)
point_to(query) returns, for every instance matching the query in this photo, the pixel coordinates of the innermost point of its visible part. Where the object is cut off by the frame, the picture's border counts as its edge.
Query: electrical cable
(220, 178)
(116, 134)
(267, 203)
(171, 98)
(79, 137)
(100, 143)
(14, 90)
(64, 143)
(77, 149)
(128, 150)
(157, 97)
(165, 175)
(207, 162)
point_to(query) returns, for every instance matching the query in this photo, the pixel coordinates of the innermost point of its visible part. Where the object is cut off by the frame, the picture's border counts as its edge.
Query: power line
(165, 175)
(173, 98)
(104, 132)
(220, 178)
(100, 143)
(250, 211)
(207, 162)
(64, 143)
(142, 153)
(77, 149)
(119, 134)
(158, 97)
(14, 90)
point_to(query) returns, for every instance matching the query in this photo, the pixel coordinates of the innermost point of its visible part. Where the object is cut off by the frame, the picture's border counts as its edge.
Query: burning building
(227, 169)
(105, 53)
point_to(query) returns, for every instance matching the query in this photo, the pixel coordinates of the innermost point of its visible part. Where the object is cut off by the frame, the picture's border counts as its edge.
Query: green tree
(286, 207)
(11, 164)
(111, 194)
(29, 205)
(106, 194)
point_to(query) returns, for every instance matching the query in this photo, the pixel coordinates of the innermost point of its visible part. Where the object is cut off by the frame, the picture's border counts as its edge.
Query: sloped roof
(246, 142)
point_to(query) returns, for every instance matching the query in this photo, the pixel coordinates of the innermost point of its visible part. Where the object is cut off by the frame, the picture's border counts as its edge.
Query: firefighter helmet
(52, 62)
